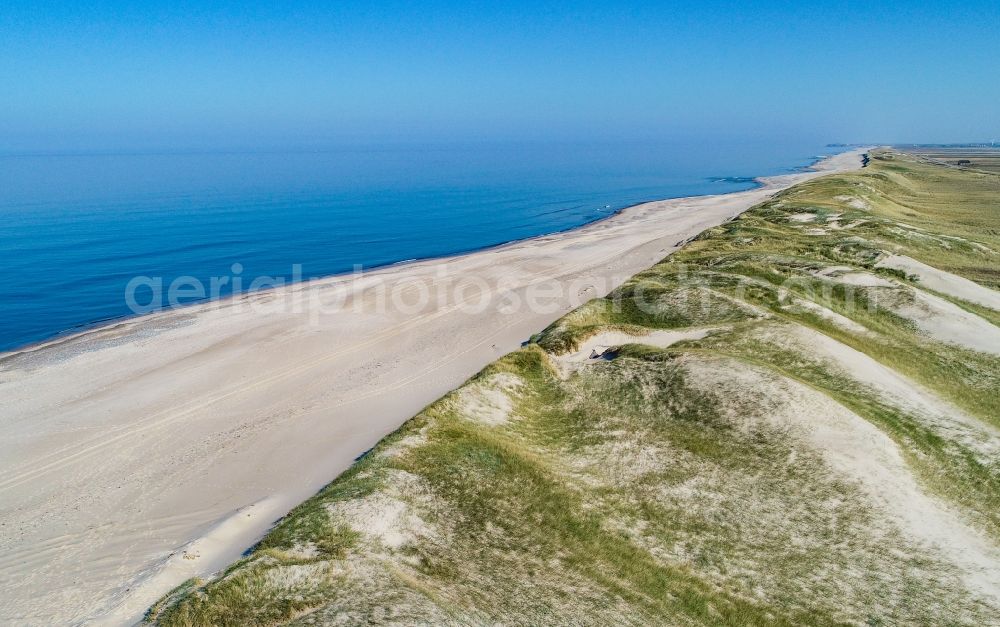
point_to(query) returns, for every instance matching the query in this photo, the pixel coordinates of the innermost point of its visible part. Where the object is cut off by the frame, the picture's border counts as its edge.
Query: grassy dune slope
(825, 453)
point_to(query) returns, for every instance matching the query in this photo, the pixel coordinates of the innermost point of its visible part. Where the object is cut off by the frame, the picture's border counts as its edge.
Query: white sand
(595, 346)
(947, 322)
(802, 217)
(841, 321)
(124, 445)
(858, 450)
(934, 316)
(897, 390)
(944, 282)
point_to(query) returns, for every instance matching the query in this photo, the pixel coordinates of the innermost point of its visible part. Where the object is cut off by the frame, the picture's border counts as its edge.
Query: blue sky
(233, 74)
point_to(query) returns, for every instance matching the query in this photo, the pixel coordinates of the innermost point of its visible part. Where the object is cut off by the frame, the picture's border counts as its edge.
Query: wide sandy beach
(143, 453)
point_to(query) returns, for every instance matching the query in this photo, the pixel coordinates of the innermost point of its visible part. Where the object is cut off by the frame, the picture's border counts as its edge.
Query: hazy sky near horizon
(133, 75)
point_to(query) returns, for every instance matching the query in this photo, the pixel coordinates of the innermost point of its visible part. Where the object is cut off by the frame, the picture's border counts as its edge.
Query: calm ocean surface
(75, 228)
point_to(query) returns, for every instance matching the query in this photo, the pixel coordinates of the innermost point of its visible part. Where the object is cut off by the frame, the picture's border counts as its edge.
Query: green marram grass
(644, 488)
(974, 158)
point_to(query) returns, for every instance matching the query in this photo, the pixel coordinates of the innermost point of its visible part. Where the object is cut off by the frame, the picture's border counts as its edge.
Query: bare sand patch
(893, 387)
(946, 322)
(944, 282)
(853, 202)
(597, 345)
(827, 314)
(934, 316)
(861, 452)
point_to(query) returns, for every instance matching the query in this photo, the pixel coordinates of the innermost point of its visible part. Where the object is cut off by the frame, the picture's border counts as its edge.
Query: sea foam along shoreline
(188, 432)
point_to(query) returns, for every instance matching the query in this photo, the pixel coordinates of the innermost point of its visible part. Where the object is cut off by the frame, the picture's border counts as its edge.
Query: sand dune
(944, 282)
(159, 448)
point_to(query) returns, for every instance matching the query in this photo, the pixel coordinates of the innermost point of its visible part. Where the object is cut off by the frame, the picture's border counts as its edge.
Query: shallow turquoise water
(74, 229)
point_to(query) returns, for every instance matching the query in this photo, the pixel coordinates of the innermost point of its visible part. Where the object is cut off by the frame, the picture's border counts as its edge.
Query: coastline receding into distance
(213, 420)
(792, 420)
(126, 247)
(268, 218)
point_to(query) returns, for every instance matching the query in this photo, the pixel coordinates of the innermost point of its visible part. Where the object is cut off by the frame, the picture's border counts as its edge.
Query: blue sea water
(75, 228)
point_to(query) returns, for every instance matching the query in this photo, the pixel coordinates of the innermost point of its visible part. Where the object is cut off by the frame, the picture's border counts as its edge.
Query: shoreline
(98, 325)
(210, 429)
(742, 381)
